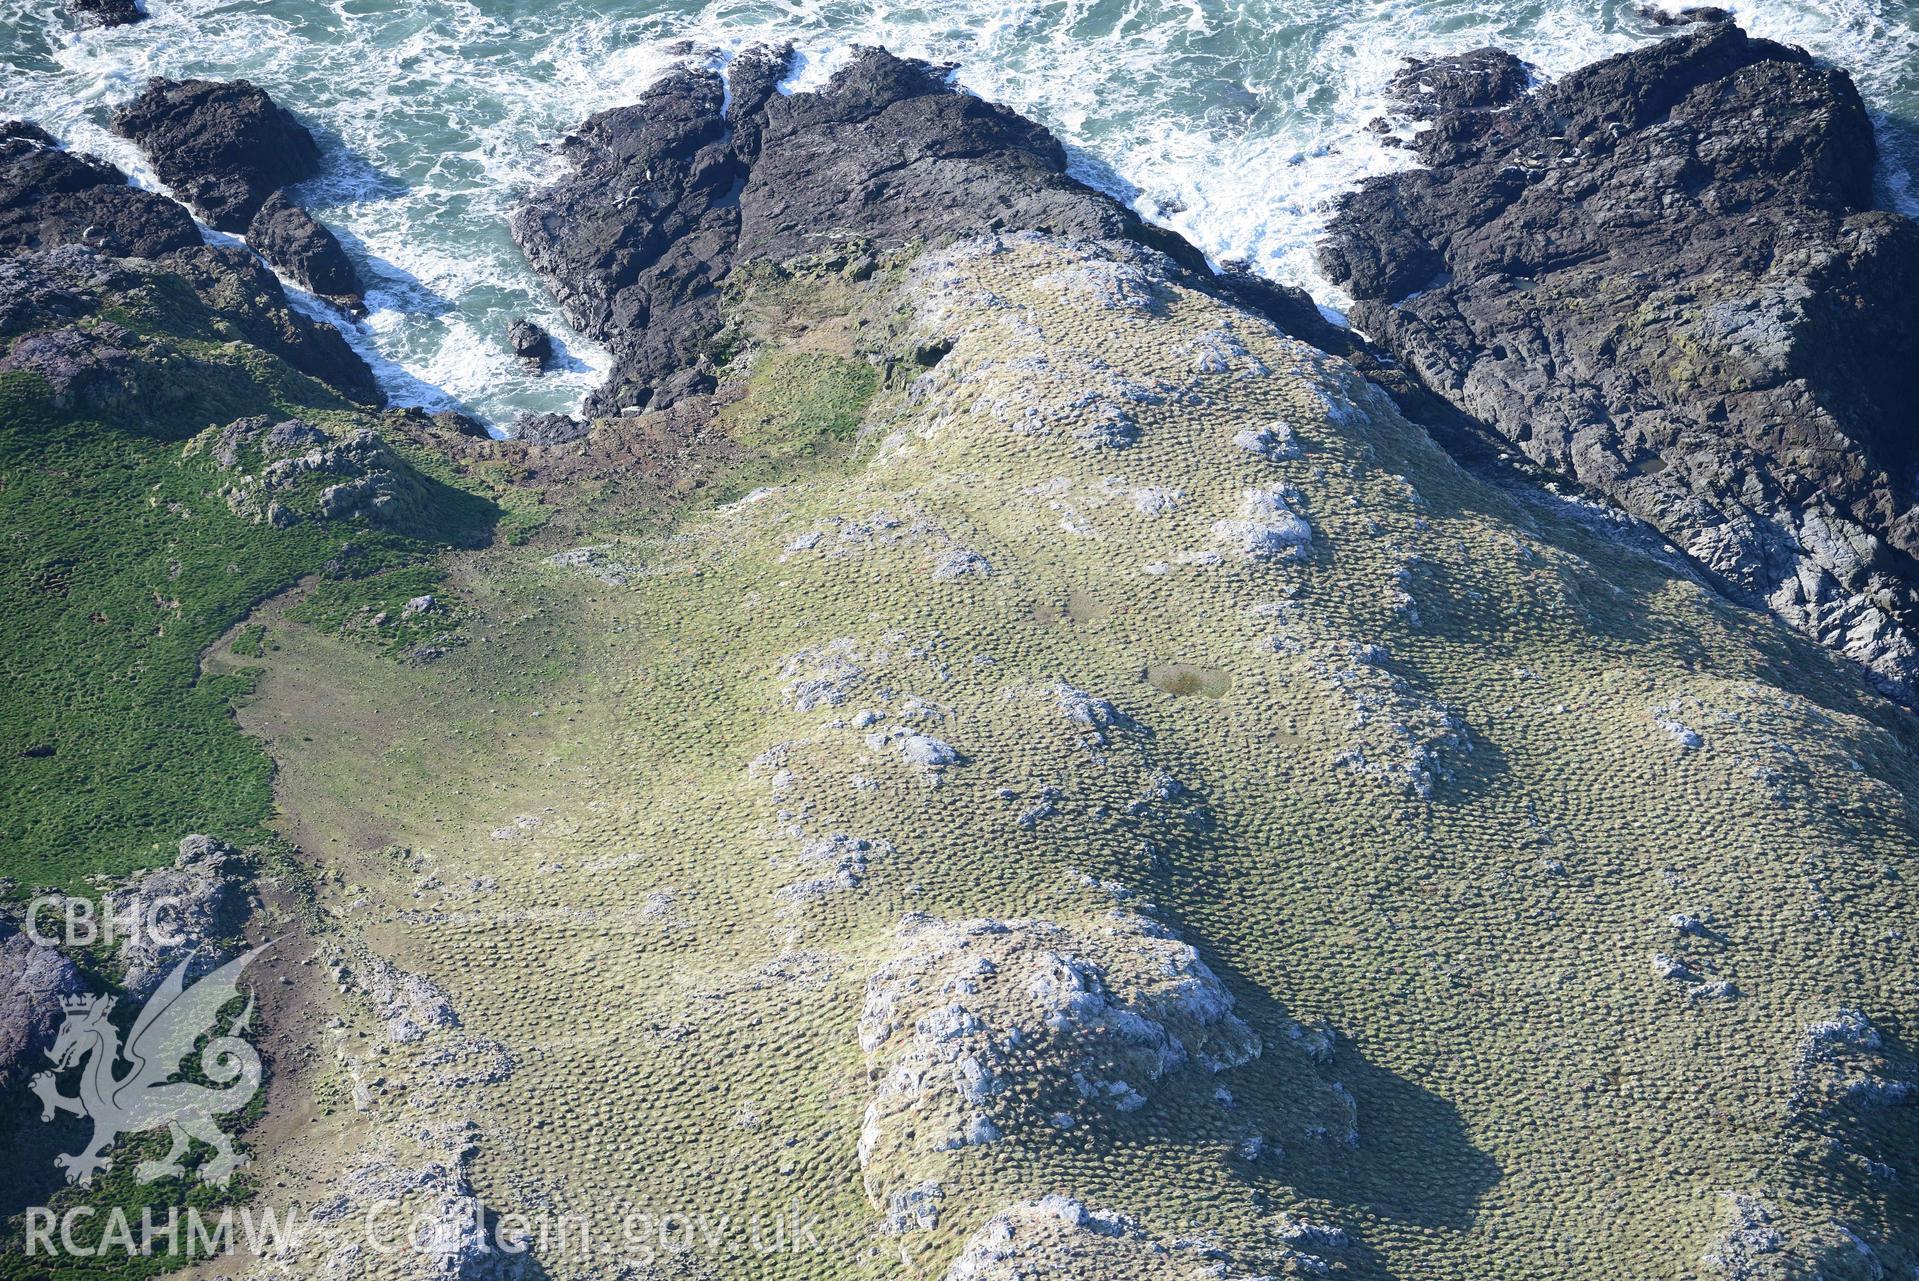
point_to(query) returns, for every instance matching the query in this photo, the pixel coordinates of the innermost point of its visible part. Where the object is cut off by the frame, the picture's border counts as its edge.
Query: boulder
(1662, 277)
(531, 344)
(106, 13)
(50, 197)
(297, 243)
(1478, 79)
(225, 146)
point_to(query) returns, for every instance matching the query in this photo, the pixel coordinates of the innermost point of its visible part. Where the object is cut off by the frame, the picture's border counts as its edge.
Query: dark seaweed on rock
(1662, 276)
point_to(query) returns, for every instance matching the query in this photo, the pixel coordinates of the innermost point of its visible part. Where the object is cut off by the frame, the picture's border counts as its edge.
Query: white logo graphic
(146, 1097)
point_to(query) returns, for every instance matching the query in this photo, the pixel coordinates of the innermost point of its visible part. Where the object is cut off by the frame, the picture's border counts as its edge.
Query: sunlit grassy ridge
(1449, 767)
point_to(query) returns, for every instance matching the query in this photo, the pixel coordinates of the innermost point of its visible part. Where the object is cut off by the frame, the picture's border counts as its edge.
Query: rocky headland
(1045, 763)
(1663, 276)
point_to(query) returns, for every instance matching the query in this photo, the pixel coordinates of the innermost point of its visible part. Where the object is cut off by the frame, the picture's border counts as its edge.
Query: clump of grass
(802, 404)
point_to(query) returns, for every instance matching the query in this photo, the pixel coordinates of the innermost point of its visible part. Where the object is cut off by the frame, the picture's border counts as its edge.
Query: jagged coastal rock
(532, 345)
(1662, 276)
(670, 196)
(299, 244)
(51, 197)
(225, 146)
(987, 731)
(82, 238)
(106, 13)
(230, 151)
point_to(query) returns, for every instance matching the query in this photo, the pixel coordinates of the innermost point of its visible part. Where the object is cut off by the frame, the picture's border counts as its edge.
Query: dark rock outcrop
(1685, 17)
(225, 146)
(531, 344)
(669, 195)
(549, 429)
(1661, 276)
(106, 13)
(234, 283)
(90, 368)
(51, 197)
(1478, 79)
(296, 242)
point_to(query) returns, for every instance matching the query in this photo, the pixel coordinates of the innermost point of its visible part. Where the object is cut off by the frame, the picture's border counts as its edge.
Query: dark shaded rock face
(549, 429)
(51, 197)
(1660, 276)
(532, 344)
(233, 282)
(1429, 87)
(33, 981)
(669, 194)
(106, 13)
(298, 244)
(224, 146)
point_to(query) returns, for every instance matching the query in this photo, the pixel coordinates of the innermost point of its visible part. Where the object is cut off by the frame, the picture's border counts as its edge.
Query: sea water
(1236, 122)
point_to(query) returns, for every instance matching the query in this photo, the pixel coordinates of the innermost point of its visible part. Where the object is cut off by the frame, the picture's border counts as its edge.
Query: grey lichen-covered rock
(195, 909)
(289, 471)
(979, 1028)
(1761, 1243)
(1062, 1237)
(1662, 275)
(34, 978)
(225, 146)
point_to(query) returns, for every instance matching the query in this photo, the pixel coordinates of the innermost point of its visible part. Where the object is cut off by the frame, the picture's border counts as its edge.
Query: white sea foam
(1238, 124)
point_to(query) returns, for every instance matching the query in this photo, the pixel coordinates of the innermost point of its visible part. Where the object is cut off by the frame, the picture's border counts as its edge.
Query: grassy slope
(122, 564)
(1533, 1100)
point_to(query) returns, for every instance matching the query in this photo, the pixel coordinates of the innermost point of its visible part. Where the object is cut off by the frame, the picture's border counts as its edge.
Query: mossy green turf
(1533, 1098)
(123, 562)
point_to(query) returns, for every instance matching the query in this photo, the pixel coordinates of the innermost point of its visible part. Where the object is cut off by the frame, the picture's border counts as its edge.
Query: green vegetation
(802, 404)
(250, 641)
(123, 563)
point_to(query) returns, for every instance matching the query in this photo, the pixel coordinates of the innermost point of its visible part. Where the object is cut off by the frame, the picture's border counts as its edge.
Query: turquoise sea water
(1235, 121)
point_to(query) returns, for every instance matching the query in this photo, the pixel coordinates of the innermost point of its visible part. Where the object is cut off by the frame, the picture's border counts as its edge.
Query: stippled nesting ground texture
(1149, 814)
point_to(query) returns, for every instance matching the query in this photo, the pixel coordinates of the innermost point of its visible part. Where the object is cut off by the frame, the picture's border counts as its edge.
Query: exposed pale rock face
(1662, 276)
(1060, 1237)
(977, 1027)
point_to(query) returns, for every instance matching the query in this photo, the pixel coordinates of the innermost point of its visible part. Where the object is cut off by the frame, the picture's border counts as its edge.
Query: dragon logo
(145, 1096)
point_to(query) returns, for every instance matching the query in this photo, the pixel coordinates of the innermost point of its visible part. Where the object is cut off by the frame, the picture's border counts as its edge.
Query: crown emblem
(82, 1004)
